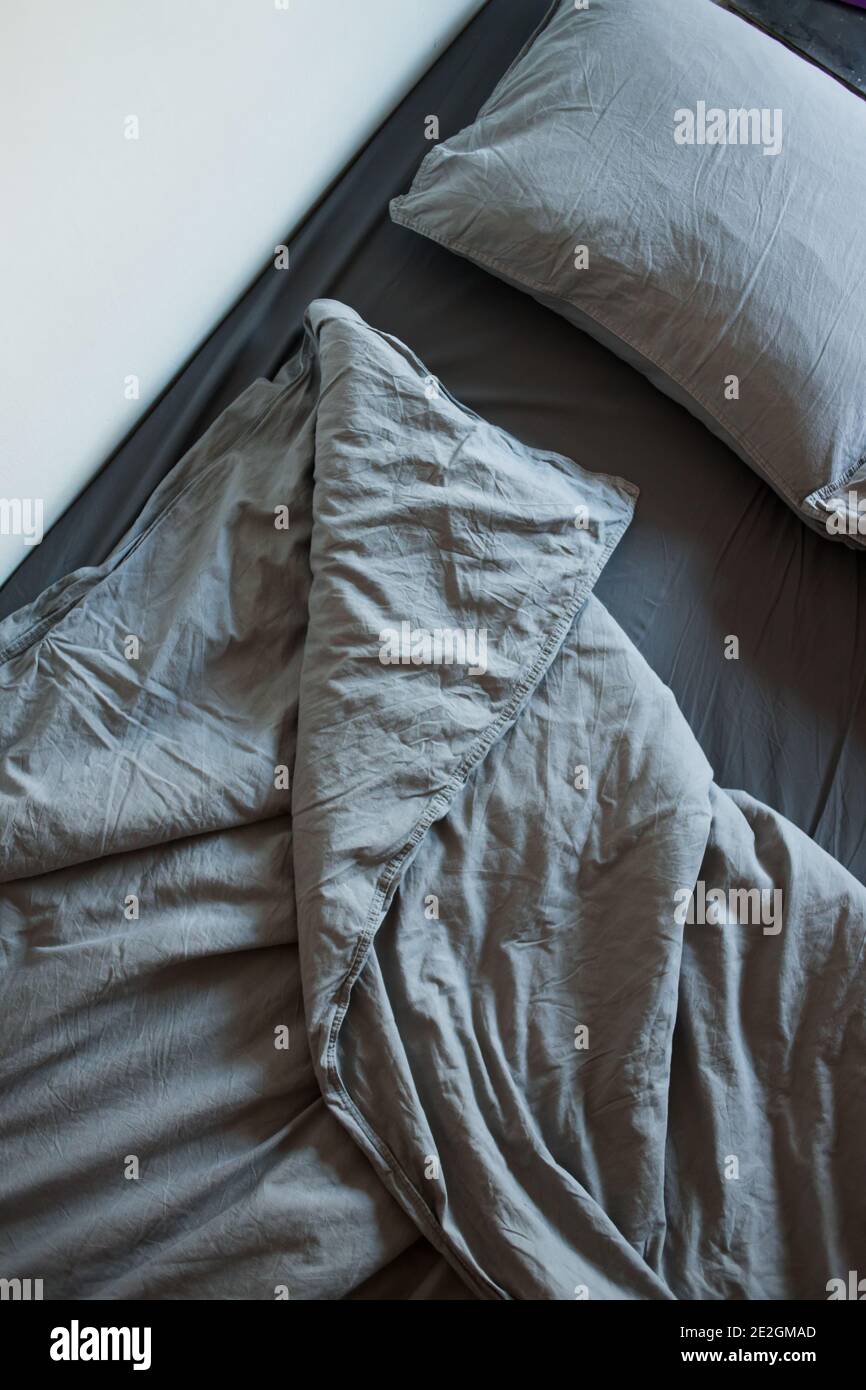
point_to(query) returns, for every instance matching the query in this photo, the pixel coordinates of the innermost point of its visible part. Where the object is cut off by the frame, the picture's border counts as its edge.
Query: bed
(711, 550)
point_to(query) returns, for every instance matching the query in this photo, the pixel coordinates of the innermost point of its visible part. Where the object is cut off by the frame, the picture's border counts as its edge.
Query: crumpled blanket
(367, 905)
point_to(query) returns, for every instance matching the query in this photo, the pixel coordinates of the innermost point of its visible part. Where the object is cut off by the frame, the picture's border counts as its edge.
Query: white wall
(120, 255)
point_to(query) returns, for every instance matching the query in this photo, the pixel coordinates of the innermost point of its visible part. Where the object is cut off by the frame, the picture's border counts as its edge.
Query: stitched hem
(389, 881)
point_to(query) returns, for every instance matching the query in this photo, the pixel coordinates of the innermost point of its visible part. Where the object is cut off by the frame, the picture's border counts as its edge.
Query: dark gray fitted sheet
(712, 550)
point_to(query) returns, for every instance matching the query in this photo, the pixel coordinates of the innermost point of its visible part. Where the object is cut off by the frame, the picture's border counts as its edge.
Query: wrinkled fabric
(722, 258)
(375, 969)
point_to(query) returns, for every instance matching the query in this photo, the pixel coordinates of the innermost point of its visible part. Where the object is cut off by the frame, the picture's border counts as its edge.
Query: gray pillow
(693, 195)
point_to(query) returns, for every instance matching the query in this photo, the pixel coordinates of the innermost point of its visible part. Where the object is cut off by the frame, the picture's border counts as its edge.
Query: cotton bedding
(711, 550)
(360, 880)
(688, 191)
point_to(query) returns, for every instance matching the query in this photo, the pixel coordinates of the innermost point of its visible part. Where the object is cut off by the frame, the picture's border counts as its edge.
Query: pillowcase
(693, 195)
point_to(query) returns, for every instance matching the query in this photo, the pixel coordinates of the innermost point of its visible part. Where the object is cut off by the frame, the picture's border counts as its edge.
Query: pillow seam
(416, 225)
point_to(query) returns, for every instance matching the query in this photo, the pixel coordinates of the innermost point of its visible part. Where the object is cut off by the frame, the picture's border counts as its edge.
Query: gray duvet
(362, 884)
